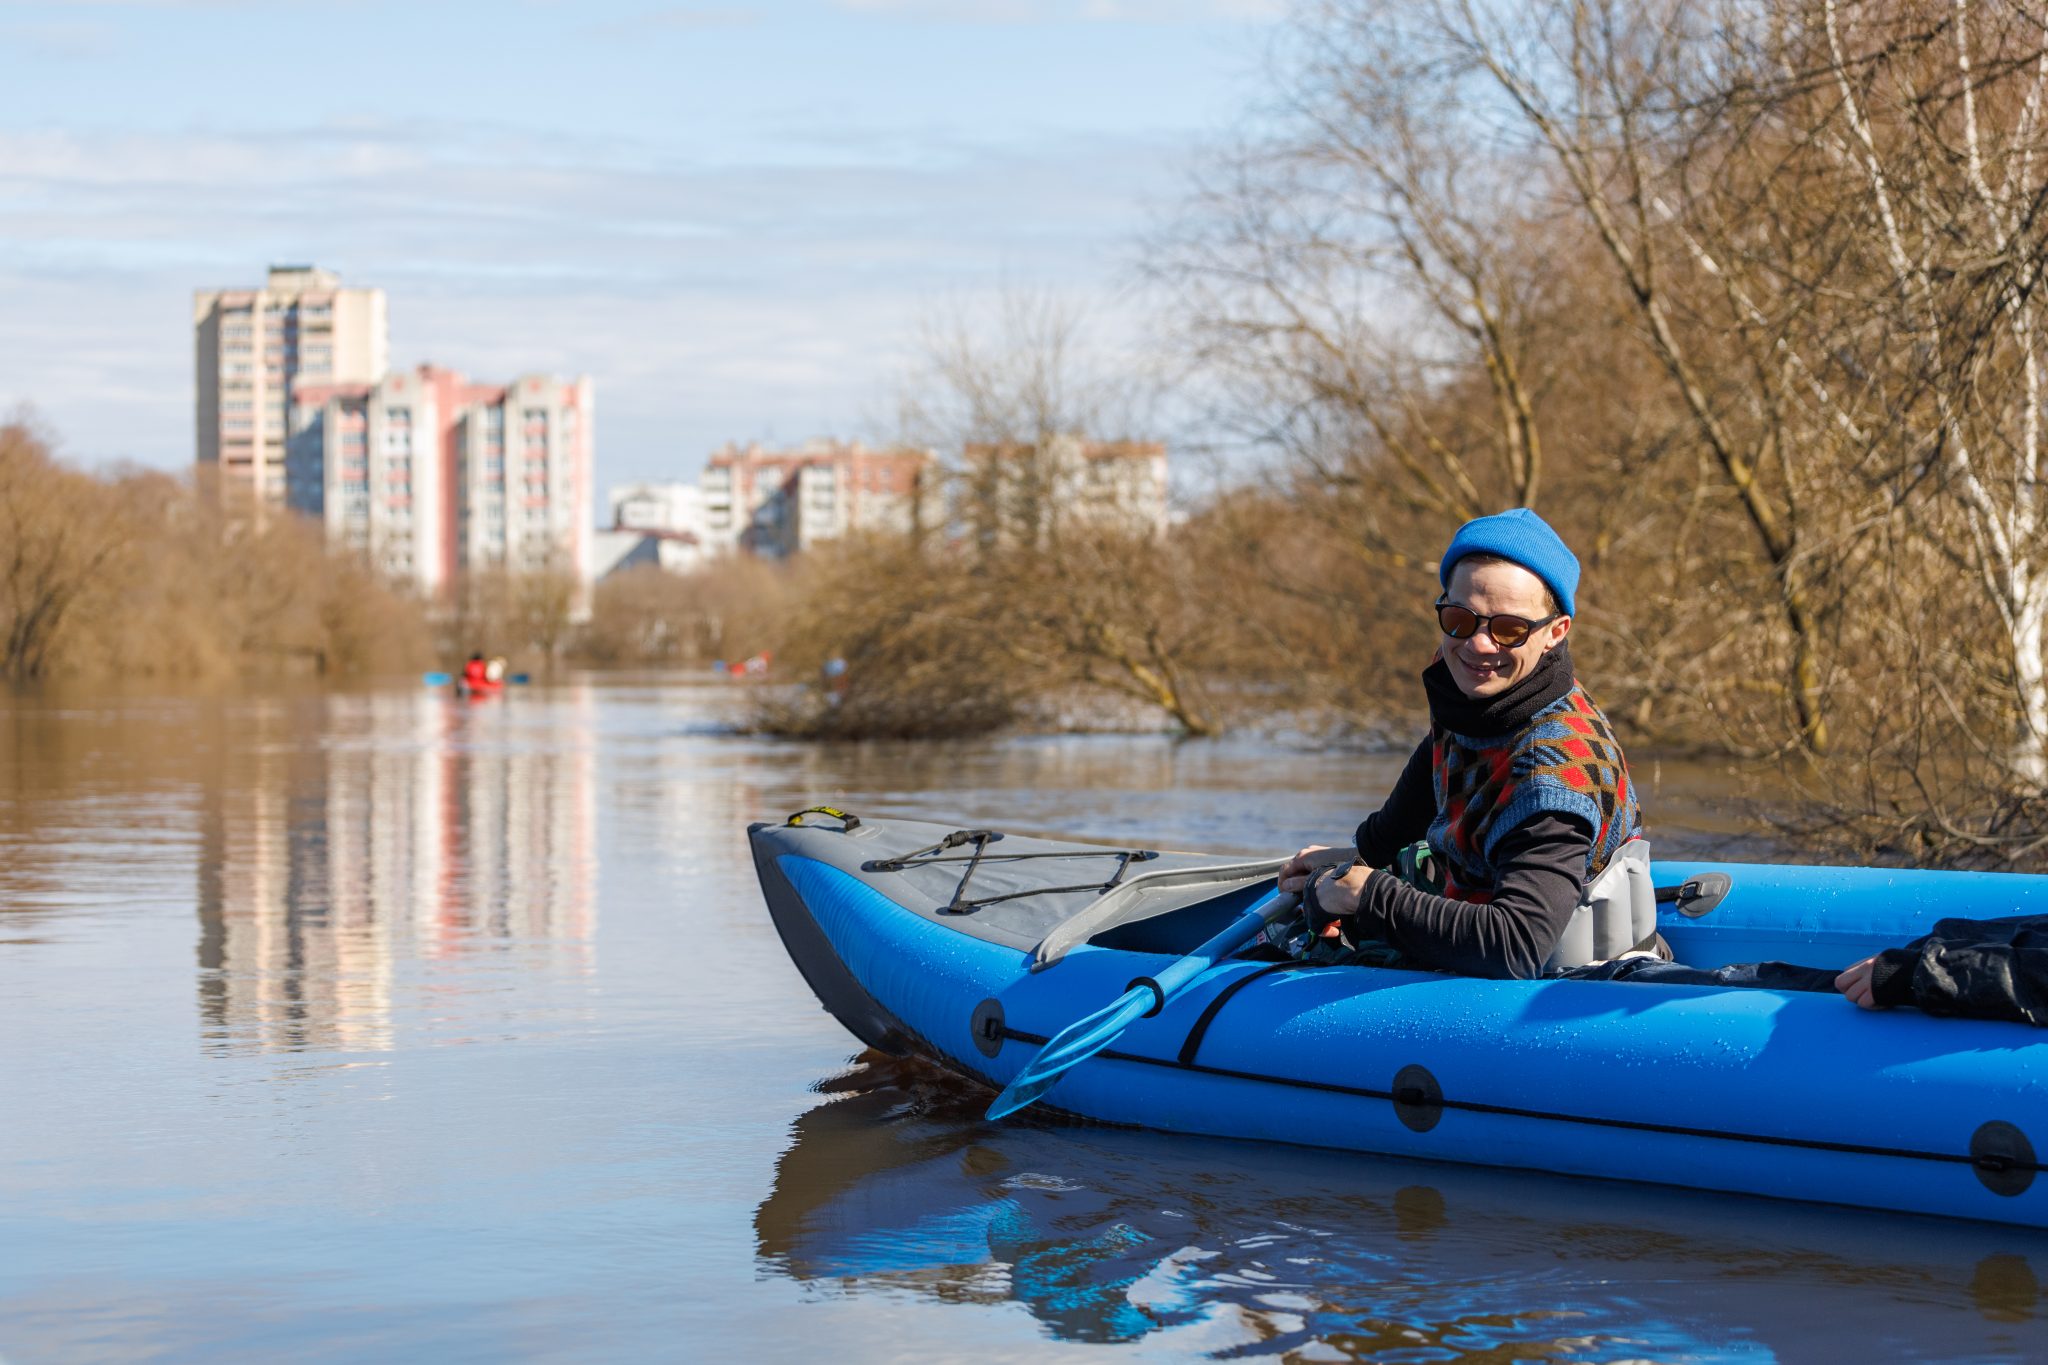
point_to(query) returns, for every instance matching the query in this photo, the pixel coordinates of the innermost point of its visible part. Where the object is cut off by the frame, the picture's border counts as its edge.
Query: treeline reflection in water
(1228, 1249)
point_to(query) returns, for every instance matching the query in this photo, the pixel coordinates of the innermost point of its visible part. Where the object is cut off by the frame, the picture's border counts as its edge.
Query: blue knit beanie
(1522, 536)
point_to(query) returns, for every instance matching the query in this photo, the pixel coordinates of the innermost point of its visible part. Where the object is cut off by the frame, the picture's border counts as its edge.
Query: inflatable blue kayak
(972, 949)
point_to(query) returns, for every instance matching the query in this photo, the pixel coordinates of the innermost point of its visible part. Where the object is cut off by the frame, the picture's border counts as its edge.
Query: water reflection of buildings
(342, 837)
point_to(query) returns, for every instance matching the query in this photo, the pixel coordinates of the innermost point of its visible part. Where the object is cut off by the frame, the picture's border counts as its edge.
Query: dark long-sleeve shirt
(1542, 864)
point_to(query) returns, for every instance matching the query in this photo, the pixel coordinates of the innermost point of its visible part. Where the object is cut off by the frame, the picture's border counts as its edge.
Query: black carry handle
(1698, 895)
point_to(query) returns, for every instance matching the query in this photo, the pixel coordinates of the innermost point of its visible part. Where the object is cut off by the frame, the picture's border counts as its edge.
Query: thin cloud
(64, 39)
(708, 301)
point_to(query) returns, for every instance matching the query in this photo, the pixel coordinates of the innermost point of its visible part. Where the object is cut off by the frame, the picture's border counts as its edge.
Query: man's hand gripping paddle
(1084, 1038)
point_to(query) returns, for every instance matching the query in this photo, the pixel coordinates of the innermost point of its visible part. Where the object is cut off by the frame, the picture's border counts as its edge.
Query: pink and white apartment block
(430, 475)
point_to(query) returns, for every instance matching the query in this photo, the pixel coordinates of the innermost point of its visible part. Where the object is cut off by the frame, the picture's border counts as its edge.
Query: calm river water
(379, 1026)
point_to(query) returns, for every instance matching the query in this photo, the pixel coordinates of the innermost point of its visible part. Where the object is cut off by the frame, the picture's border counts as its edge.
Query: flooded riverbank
(374, 1025)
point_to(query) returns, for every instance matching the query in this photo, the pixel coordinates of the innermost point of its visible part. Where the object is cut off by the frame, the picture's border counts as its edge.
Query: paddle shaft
(1274, 906)
(1083, 1038)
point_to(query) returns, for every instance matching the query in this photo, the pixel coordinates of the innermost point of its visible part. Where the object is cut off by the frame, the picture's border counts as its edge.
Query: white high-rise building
(251, 346)
(526, 478)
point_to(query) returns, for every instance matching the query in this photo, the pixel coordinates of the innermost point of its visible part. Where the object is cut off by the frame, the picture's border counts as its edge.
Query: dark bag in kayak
(1975, 968)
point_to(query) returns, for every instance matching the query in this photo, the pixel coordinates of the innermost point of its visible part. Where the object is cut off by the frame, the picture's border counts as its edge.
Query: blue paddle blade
(1074, 1045)
(437, 679)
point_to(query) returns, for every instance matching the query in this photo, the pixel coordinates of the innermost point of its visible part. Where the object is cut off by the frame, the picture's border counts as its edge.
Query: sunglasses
(1462, 623)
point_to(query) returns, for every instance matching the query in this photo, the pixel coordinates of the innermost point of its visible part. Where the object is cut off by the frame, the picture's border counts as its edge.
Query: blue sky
(733, 216)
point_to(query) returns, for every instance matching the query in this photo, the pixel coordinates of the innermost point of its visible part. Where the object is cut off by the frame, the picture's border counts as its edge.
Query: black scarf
(1502, 714)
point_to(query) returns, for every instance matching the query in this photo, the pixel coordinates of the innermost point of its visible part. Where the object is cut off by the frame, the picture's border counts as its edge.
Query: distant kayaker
(1513, 833)
(476, 673)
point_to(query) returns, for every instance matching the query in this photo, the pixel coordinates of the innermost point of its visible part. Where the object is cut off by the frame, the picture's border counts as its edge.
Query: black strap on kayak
(981, 839)
(1124, 859)
(1192, 1044)
(981, 843)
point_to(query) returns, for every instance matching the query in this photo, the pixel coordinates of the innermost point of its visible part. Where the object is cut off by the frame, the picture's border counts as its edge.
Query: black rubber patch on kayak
(1418, 1099)
(987, 1027)
(2003, 1158)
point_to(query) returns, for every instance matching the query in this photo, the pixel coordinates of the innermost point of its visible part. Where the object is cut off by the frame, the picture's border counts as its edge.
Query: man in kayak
(1513, 830)
(476, 674)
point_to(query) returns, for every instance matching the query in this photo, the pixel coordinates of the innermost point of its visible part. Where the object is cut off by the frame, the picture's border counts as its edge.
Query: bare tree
(139, 573)
(1398, 290)
(1937, 121)
(1610, 92)
(1365, 279)
(1074, 579)
(59, 536)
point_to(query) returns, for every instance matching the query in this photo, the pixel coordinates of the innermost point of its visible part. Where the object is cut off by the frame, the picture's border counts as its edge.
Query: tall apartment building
(778, 503)
(251, 346)
(431, 475)
(525, 478)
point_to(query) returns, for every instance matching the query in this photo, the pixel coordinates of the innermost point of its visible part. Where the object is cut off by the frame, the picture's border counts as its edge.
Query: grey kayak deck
(1037, 895)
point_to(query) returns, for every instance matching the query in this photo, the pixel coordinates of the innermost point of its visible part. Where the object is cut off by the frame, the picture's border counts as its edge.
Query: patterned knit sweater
(1564, 761)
